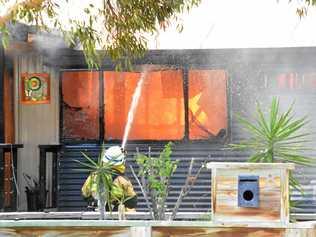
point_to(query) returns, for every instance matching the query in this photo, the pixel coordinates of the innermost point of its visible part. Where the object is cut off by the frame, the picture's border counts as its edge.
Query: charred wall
(254, 76)
(2, 74)
(2, 63)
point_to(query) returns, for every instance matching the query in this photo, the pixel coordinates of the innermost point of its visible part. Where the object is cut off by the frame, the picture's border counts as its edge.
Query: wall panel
(34, 124)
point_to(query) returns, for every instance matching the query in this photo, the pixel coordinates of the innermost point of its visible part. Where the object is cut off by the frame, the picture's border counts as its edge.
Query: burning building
(190, 97)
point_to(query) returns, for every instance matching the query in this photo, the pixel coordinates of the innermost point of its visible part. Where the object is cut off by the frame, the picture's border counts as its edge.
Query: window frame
(185, 80)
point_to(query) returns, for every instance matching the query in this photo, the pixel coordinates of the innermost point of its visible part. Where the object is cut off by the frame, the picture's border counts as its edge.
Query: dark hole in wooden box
(248, 191)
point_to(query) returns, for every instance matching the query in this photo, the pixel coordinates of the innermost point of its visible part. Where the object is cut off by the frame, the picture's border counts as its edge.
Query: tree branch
(189, 182)
(142, 189)
(108, 2)
(151, 191)
(35, 4)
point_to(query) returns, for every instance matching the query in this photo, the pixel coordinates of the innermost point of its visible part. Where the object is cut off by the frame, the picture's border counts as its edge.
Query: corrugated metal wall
(249, 71)
(199, 199)
(34, 124)
(246, 87)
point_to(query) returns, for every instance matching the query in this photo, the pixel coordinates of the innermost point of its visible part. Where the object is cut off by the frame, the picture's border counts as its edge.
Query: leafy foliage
(303, 10)
(32, 183)
(155, 176)
(158, 172)
(117, 26)
(102, 178)
(276, 137)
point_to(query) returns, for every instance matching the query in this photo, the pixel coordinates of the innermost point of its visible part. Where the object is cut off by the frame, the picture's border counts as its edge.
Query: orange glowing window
(80, 93)
(160, 111)
(207, 104)
(287, 81)
(291, 81)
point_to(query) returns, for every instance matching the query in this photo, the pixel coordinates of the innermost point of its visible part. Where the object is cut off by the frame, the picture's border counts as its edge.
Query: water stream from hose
(133, 107)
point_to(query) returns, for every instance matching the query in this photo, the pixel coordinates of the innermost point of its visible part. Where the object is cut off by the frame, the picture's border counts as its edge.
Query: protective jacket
(122, 190)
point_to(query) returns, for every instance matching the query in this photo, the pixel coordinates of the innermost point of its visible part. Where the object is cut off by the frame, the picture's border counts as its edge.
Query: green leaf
(276, 137)
(294, 183)
(262, 122)
(89, 159)
(256, 157)
(85, 164)
(297, 159)
(274, 110)
(249, 126)
(118, 27)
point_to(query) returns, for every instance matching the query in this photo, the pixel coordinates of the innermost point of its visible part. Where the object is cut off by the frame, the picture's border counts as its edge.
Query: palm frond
(256, 157)
(85, 164)
(262, 121)
(294, 183)
(85, 170)
(101, 154)
(277, 137)
(294, 158)
(249, 126)
(274, 111)
(89, 159)
(293, 137)
(286, 117)
(291, 128)
(290, 142)
(248, 145)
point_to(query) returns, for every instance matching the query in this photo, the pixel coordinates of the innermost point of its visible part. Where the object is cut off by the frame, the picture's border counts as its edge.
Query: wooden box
(273, 192)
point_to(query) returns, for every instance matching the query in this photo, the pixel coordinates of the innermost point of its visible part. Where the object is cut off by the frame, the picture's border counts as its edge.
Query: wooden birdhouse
(250, 192)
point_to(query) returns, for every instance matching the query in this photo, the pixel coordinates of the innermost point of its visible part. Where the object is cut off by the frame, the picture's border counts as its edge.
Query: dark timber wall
(2, 68)
(252, 74)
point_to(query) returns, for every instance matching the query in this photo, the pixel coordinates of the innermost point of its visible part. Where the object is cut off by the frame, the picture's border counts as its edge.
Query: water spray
(133, 107)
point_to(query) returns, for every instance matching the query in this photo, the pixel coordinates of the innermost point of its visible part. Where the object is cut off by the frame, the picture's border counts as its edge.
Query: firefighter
(122, 187)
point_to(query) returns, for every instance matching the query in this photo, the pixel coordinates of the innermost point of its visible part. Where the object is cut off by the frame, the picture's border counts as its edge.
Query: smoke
(49, 43)
(24, 38)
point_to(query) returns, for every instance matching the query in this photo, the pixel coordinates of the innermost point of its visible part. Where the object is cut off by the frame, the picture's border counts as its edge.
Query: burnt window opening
(80, 105)
(95, 111)
(288, 81)
(159, 114)
(207, 104)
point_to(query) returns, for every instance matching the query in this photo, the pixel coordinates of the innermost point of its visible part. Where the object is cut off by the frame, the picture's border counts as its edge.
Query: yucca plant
(276, 137)
(102, 182)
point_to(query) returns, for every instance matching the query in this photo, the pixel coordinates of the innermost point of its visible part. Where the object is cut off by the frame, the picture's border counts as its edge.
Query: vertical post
(2, 161)
(285, 197)
(186, 102)
(213, 194)
(101, 106)
(2, 65)
(54, 178)
(61, 108)
(14, 179)
(1, 178)
(42, 178)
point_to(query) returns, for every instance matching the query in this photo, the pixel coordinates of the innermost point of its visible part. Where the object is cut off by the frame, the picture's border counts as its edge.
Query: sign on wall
(35, 88)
